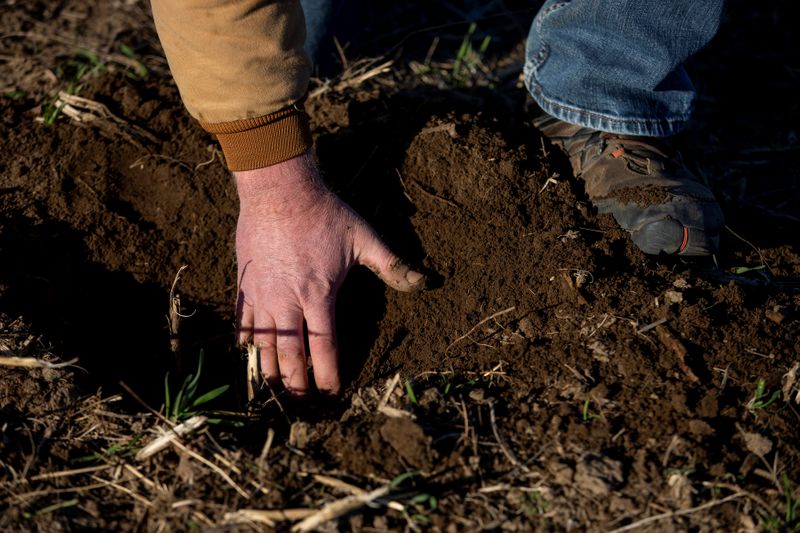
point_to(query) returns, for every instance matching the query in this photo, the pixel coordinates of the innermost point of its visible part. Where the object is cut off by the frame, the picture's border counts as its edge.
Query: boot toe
(684, 225)
(672, 237)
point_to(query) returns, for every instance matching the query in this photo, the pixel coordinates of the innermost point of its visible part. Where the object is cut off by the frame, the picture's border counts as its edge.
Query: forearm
(242, 72)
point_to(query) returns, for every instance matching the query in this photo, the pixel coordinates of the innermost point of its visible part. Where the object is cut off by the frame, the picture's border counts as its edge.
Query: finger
(264, 336)
(321, 322)
(375, 255)
(291, 351)
(244, 320)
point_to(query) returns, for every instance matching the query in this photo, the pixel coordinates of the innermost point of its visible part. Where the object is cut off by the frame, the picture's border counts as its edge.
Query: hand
(295, 243)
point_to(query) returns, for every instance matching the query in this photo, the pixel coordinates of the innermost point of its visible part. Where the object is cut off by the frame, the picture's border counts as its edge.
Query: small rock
(598, 475)
(356, 522)
(748, 525)
(523, 427)
(747, 465)
(756, 443)
(599, 351)
(600, 392)
(681, 284)
(777, 314)
(409, 441)
(185, 471)
(561, 473)
(91, 507)
(476, 395)
(300, 435)
(429, 397)
(673, 297)
(526, 328)
(51, 374)
(680, 489)
(380, 523)
(788, 381)
(700, 428)
(708, 406)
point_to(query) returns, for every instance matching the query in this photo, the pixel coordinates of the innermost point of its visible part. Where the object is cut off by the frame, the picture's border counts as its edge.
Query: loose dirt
(551, 377)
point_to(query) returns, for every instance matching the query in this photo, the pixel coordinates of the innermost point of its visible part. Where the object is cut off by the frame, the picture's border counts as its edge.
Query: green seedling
(422, 503)
(73, 71)
(83, 64)
(744, 270)
(446, 384)
(759, 401)
(586, 414)
(52, 108)
(399, 480)
(769, 522)
(51, 508)
(13, 95)
(412, 398)
(424, 499)
(467, 58)
(534, 504)
(50, 111)
(122, 449)
(186, 402)
(791, 516)
(419, 505)
(140, 71)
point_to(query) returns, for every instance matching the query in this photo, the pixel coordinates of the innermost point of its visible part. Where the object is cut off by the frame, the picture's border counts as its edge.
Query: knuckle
(322, 342)
(290, 351)
(264, 341)
(320, 291)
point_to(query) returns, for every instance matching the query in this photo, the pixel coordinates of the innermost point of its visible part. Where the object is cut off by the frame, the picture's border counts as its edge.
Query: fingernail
(414, 277)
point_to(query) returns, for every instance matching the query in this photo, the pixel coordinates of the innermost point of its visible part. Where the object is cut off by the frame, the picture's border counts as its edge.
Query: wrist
(288, 181)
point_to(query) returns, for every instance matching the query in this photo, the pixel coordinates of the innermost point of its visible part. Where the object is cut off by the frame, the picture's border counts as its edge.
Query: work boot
(644, 183)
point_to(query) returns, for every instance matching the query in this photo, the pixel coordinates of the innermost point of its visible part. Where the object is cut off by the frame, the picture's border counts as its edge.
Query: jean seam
(547, 11)
(538, 60)
(534, 86)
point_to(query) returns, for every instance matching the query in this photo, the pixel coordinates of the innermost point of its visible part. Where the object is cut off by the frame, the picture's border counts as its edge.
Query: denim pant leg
(326, 19)
(615, 65)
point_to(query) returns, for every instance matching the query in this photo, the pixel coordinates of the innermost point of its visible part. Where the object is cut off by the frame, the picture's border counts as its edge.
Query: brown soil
(551, 377)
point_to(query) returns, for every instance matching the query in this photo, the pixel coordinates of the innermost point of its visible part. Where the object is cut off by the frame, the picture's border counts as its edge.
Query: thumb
(375, 255)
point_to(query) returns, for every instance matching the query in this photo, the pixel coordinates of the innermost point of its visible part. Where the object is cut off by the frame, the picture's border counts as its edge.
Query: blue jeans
(611, 65)
(615, 65)
(329, 19)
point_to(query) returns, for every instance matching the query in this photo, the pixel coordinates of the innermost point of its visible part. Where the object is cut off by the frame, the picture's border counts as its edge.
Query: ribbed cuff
(262, 141)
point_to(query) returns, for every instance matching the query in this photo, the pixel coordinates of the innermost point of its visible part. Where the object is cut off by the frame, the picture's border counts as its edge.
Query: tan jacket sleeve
(242, 72)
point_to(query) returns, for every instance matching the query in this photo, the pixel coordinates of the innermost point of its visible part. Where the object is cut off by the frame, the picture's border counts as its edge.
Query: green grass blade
(484, 44)
(167, 399)
(463, 51)
(396, 482)
(410, 392)
(210, 395)
(181, 399)
(743, 270)
(56, 507)
(127, 51)
(192, 387)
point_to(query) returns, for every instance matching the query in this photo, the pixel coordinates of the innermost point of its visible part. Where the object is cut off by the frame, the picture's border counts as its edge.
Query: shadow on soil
(115, 325)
